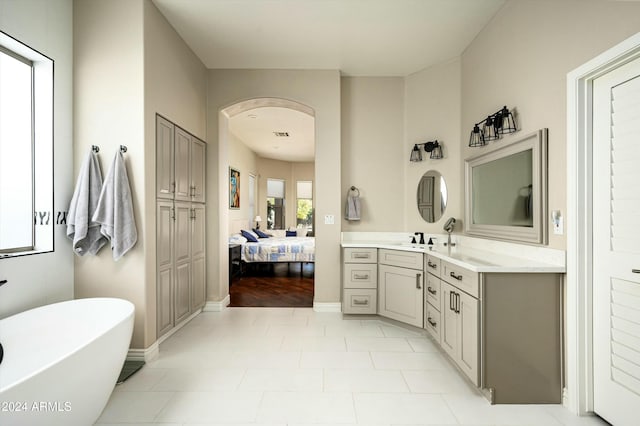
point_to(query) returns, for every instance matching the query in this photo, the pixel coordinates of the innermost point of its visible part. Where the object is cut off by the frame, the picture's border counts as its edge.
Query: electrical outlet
(329, 219)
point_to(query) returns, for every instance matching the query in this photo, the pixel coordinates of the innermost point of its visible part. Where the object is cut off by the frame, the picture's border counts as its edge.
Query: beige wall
(290, 172)
(109, 106)
(36, 280)
(122, 78)
(432, 102)
(175, 86)
(372, 151)
(319, 90)
(242, 158)
(521, 58)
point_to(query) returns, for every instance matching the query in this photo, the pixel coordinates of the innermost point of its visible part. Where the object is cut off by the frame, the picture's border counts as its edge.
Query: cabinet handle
(173, 187)
(451, 294)
(430, 321)
(173, 213)
(457, 277)
(360, 255)
(457, 303)
(3, 282)
(360, 302)
(432, 265)
(193, 214)
(418, 276)
(193, 191)
(635, 271)
(431, 290)
(360, 277)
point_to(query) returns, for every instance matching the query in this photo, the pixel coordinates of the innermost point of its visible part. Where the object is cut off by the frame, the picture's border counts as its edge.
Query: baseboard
(217, 306)
(327, 307)
(146, 355)
(153, 351)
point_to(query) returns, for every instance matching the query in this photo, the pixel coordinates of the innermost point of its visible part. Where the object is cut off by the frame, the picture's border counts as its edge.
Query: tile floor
(294, 366)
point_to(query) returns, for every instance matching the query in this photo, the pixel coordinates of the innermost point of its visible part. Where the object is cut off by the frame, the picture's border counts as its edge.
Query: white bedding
(280, 249)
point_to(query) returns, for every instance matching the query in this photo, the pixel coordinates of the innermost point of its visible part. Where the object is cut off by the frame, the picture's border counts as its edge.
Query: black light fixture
(434, 148)
(416, 154)
(493, 127)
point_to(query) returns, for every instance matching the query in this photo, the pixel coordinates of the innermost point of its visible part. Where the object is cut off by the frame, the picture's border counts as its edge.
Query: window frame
(42, 145)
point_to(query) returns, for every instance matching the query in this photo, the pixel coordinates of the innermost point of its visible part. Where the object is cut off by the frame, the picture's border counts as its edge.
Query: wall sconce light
(432, 147)
(493, 127)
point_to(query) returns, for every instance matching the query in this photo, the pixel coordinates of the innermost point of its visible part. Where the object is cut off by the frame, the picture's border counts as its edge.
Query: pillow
(291, 234)
(237, 239)
(250, 236)
(261, 234)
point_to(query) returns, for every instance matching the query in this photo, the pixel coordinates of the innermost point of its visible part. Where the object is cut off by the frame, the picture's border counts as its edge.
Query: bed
(276, 249)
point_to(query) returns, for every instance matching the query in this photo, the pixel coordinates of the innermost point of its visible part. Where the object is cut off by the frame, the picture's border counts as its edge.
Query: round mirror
(432, 196)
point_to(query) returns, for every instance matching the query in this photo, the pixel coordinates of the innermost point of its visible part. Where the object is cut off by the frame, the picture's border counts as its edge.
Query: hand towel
(352, 209)
(115, 209)
(85, 232)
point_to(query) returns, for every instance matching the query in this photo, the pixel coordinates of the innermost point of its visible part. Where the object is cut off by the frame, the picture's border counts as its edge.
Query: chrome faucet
(448, 227)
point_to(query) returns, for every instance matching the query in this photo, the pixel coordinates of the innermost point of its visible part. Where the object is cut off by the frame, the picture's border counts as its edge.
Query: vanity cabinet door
(459, 331)
(401, 294)
(449, 321)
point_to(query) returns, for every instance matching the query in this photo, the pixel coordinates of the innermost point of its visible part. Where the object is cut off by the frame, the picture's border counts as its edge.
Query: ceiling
(356, 37)
(257, 128)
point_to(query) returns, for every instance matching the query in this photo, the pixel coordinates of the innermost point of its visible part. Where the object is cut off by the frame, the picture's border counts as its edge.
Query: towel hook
(123, 149)
(356, 190)
(95, 148)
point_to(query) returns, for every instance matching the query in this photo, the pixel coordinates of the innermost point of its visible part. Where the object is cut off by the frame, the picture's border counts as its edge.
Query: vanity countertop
(472, 259)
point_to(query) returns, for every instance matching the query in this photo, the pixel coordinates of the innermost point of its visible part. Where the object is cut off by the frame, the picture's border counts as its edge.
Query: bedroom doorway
(271, 245)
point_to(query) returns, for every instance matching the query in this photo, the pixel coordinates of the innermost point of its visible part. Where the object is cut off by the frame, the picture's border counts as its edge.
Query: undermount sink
(470, 259)
(414, 245)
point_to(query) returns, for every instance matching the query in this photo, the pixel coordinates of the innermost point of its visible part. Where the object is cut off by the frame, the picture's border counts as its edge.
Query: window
(304, 205)
(275, 204)
(26, 148)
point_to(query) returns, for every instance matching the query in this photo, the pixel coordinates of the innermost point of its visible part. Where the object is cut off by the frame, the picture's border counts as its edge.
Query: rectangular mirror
(506, 191)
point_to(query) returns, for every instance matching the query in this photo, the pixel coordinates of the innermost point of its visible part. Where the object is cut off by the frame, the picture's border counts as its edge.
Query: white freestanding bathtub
(61, 361)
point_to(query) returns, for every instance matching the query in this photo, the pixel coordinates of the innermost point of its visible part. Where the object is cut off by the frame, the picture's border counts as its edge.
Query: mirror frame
(537, 234)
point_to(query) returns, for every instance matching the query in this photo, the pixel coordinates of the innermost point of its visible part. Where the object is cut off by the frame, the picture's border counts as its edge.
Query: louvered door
(616, 240)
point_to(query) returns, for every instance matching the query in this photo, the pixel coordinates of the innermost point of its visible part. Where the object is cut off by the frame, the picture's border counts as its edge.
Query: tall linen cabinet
(180, 225)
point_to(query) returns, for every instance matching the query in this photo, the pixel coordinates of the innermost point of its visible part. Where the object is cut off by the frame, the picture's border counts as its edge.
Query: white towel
(115, 209)
(86, 234)
(352, 209)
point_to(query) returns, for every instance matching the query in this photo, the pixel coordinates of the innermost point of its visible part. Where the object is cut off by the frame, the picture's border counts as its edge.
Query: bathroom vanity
(497, 317)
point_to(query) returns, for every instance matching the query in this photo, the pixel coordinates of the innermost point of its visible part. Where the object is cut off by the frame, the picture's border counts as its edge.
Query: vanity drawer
(360, 255)
(359, 301)
(403, 259)
(433, 290)
(433, 265)
(461, 278)
(432, 321)
(360, 275)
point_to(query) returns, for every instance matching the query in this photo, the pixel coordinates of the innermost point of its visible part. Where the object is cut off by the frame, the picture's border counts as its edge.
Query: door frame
(578, 396)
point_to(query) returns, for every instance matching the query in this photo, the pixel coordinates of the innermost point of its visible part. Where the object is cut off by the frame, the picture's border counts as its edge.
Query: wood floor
(274, 285)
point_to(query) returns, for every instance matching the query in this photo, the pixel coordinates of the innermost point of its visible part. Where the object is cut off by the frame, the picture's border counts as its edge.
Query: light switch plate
(329, 219)
(558, 222)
